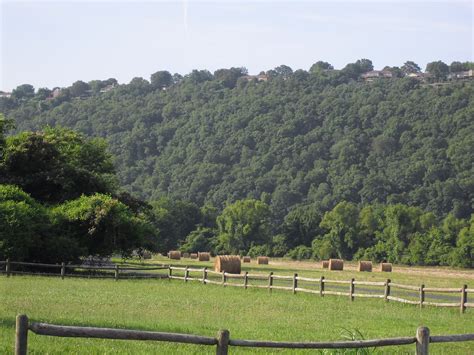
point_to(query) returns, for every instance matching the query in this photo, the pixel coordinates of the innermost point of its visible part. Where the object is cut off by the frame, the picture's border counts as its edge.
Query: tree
(458, 66)
(161, 79)
(102, 226)
(410, 67)
(243, 224)
(43, 93)
(438, 69)
(175, 219)
(57, 165)
(284, 71)
(23, 92)
(79, 88)
(342, 226)
(22, 221)
(320, 66)
(229, 77)
(201, 239)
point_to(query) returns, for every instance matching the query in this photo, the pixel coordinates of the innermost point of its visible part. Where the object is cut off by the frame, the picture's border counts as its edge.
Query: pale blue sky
(55, 43)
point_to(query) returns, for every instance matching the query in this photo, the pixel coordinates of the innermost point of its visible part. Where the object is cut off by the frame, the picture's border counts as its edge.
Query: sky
(55, 43)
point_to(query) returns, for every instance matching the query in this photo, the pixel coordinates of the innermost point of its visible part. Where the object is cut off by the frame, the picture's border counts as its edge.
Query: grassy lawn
(174, 306)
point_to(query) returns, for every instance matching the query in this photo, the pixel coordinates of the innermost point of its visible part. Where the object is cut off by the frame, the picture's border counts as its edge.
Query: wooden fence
(294, 283)
(386, 287)
(222, 342)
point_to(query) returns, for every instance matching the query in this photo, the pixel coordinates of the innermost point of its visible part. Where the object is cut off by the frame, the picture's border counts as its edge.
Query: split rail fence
(222, 342)
(386, 290)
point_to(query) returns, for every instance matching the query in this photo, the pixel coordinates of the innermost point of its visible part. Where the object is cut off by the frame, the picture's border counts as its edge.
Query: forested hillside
(317, 137)
(306, 164)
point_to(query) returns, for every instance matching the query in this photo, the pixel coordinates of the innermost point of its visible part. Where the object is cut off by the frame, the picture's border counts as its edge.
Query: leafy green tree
(23, 92)
(22, 221)
(102, 226)
(161, 79)
(57, 165)
(342, 226)
(410, 67)
(201, 239)
(79, 88)
(320, 66)
(243, 224)
(301, 225)
(175, 219)
(438, 69)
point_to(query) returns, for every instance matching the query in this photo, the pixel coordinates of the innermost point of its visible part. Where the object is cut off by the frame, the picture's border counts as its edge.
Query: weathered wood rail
(222, 341)
(386, 287)
(293, 283)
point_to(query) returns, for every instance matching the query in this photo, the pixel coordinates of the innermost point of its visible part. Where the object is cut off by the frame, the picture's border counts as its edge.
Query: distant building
(5, 94)
(259, 77)
(376, 74)
(468, 74)
(108, 88)
(419, 76)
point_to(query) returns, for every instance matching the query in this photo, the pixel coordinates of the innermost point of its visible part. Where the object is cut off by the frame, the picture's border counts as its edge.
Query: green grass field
(174, 306)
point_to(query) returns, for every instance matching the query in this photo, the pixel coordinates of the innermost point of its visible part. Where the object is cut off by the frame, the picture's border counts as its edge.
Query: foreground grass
(174, 306)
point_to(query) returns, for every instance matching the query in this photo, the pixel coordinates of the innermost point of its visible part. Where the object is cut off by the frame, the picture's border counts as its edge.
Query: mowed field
(175, 306)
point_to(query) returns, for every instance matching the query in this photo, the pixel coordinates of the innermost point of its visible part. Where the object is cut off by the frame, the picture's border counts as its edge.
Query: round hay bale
(185, 255)
(386, 267)
(204, 256)
(365, 266)
(325, 264)
(336, 264)
(193, 256)
(174, 254)
(262, 260)
(246, 259)
(147, 254)
(227, 263)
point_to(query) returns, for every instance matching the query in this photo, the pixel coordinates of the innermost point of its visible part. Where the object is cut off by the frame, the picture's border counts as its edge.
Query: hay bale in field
(174, 254)
(185, 255)
(147, 254)
(262, 260)
(365, 266)
(325, 264)
(246, 259)
(193, 256)
(204, 256)
(227, 263)
(386, 267)
(336, 264)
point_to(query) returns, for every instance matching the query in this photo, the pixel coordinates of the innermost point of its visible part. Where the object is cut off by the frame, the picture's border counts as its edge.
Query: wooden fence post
(170, 272)
(204, 275)
(270, 281)
(387, 290)
(246, 279)
(223, 278)
(222, 342)
(116, 276)
(463, 298)
(321, 286)
(186, 274)
(21, 335)
(295, 282)
(7, 268)
(422, 340)
(63, 270)
(351, 290)
(422, 295)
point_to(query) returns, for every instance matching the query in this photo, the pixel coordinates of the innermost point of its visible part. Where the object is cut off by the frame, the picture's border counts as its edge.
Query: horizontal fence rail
(386, 290)
(222, 341)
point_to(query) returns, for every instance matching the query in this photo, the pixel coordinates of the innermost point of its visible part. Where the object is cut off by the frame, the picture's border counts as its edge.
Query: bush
(301, 252)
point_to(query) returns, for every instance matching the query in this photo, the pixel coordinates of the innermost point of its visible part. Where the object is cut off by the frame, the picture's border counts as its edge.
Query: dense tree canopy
(347, 168)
